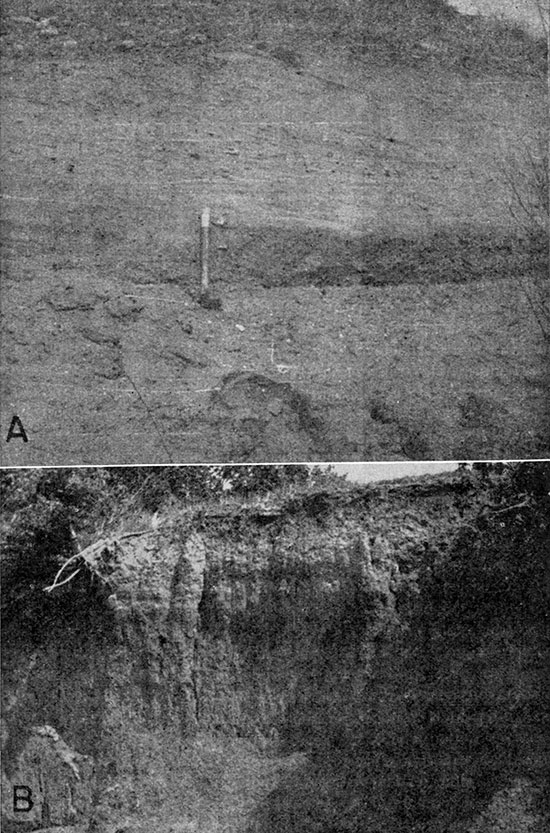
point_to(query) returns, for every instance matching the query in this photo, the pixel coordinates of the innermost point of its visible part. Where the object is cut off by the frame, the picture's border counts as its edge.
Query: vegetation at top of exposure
(43, 511)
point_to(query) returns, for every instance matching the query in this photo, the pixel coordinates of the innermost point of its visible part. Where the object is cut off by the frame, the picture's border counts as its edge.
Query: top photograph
(274, 231)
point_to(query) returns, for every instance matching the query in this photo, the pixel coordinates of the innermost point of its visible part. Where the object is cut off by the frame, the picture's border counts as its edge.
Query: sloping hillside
(379, 248)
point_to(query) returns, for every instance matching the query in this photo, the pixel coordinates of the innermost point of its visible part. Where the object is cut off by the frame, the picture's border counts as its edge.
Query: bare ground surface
(367, 265)
(226, 783)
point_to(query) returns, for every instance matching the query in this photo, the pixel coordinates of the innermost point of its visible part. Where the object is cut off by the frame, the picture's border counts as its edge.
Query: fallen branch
(91, 557)
(55, 583)
(523, 505)
(61, 583)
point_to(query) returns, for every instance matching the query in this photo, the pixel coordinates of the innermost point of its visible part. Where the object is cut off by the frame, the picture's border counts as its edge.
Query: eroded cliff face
(113, 667)
(270, 624)
(294, 601)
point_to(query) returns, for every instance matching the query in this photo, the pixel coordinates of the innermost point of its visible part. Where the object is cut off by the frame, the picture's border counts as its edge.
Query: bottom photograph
(254, 649)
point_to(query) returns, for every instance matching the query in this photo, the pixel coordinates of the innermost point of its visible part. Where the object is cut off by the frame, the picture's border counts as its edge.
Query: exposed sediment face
(294, 628)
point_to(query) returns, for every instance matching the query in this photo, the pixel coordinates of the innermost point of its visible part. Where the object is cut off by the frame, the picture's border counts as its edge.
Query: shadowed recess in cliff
(57, 673)
(450, 719)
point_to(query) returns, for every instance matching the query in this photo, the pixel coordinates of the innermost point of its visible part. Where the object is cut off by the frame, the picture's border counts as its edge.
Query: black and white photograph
(274, 231)
(274, 416)
(276, 649)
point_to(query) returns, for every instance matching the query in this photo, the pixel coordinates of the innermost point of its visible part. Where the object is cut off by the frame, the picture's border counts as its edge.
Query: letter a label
(22, 802)
(16, 430)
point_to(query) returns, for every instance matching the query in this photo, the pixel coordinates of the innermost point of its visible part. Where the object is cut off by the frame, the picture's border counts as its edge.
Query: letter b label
(22, 802)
